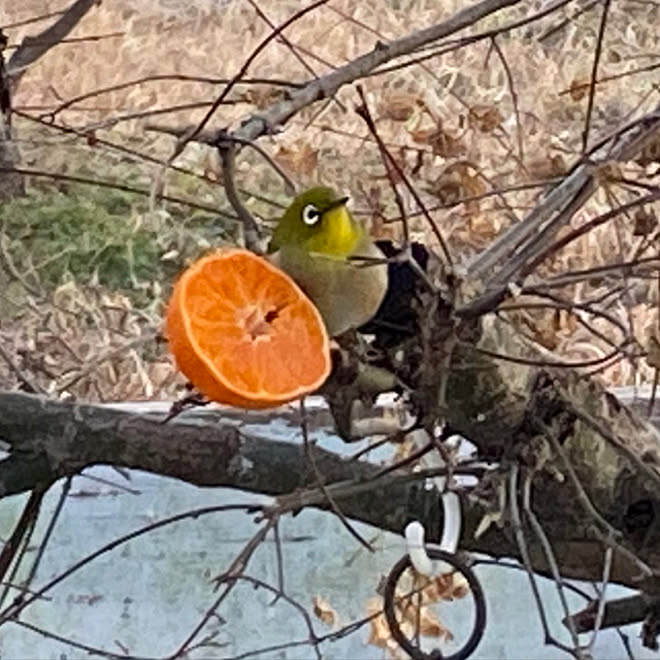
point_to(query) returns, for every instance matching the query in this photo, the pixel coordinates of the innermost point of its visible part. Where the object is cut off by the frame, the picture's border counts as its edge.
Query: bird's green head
(317, 221)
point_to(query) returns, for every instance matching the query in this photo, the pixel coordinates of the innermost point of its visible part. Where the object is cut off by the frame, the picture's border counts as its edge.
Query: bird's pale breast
(346, 294)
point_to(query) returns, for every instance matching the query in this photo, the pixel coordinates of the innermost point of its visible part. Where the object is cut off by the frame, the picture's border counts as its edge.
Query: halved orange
(244, 333)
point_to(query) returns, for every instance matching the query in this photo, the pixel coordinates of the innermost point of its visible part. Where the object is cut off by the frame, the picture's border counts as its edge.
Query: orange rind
(244, 333)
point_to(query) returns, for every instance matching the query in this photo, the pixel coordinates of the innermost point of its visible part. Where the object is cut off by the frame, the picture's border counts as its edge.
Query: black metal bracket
(477, 595)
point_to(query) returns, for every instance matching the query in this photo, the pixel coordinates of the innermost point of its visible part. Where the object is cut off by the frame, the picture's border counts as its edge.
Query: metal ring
(477, 594)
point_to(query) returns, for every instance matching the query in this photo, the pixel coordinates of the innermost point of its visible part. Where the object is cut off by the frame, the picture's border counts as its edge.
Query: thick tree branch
(50, 439)
(36, 47)
(518, 249)
(326, 86)
(618, 612)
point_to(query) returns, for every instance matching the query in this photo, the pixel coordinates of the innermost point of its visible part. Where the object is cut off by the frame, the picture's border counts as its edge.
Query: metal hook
(476, 590)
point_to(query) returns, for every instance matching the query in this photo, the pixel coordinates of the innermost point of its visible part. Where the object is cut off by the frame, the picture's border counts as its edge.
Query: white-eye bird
(318, 243)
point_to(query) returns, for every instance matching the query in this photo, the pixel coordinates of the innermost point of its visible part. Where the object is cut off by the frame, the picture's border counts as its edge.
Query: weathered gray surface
(149, 594)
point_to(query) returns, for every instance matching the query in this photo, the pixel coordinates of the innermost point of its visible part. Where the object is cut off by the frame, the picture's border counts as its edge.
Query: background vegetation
(471, 123)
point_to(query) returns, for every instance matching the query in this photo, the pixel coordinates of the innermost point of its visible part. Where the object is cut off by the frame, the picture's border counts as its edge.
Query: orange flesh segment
(250, 327)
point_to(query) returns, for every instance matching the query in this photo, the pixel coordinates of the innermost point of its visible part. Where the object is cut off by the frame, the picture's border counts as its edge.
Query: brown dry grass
(450, 121)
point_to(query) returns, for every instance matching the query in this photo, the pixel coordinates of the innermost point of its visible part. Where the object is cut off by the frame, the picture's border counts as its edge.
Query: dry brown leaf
(412, 618)
(650, 154)
(447, 586)
(547, 167)
(399, 106)
(485, 118)
(261, 96)
(579, 88)
(430, 626)
(539, 326)
(323, 611)
(646, 221)
(300, 160)
(609, 171)
(379, 631)
(443, 143)
(653, 348)
(480, 229)
(459, 181)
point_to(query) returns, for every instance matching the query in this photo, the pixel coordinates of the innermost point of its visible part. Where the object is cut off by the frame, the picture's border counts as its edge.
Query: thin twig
(33, 48)
(363, 111)
(280, 562)
(50, 116)
(80, 646)
(11, 269)
(115, 120)
(514, 98)
(455, 44)
(568, 20)
(246, 65)
(594, 75)
(388, 160)
(229, 580)
(578, 364)
(602, 599)
(17, 542)
(615, 76)
(550, 557)
(12, 611)
(227, 153)
(519, 534)
(362, 66)
(139, 156)
(212, 138)
(609, 534)
(295, 51)
(66, 487)
(22, 378)
(656, 375)
(321, 481)
(290, 185)
(279, 593)
(56, 176)
(31, 20)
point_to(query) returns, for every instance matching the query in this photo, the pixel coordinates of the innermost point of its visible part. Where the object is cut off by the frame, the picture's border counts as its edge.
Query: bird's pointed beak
(336, 204)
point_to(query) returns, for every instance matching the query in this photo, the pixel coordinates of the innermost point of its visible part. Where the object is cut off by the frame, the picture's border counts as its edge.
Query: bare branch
(524, 241)
(326, 86)
(51, 439)
(618, 612)
(34, 48)
(594, 75)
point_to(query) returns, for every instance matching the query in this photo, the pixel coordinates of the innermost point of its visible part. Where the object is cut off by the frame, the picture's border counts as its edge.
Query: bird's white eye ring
(310, 215)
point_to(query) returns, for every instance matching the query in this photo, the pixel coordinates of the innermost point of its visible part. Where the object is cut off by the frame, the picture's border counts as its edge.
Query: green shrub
(102, 235)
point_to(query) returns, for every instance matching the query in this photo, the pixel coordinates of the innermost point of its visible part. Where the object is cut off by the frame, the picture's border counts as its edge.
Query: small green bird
(318, 243)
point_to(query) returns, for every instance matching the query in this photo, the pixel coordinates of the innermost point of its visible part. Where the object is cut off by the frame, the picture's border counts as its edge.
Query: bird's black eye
(310, 215)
